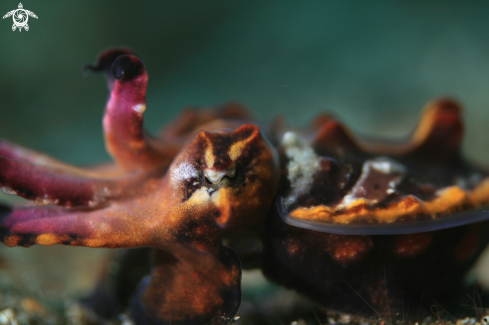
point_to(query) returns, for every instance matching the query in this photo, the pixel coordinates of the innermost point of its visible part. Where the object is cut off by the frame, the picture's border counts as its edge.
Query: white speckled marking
(8, 190)
(182, 172)
(302, 165)
(139, 108)
(384, 165)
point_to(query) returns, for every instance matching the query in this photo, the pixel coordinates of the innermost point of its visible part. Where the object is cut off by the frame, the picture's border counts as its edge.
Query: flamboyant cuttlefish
(342, 220)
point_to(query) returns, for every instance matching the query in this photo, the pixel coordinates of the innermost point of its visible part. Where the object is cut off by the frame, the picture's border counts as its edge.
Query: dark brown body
(393, 274)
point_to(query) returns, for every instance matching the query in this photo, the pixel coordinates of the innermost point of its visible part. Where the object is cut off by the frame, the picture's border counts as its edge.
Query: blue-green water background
(373, 63)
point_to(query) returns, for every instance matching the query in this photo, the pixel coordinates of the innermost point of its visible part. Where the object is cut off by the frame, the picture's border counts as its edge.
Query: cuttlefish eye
(127, 67)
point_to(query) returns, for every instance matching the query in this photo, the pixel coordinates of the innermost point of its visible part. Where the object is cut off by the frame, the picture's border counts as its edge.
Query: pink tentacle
(46, 185)
(26, 226)
(15, 151)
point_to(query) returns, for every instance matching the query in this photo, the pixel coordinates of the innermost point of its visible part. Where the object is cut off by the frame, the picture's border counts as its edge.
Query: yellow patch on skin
(237, 148)
(12, 241)
(222, 200)
(199, 200)
(317, 213)
(450, 200)
(199, 197)
(479, 196)
(47, 239)
(209, 155)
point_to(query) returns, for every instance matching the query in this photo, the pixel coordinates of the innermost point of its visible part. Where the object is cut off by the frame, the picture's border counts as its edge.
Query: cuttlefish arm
(12, 150)
(110, 227)
(65, 187)
(198, 284)
(137, 217)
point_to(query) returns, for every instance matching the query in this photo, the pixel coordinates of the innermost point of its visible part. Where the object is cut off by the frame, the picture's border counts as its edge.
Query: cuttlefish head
(229, 177)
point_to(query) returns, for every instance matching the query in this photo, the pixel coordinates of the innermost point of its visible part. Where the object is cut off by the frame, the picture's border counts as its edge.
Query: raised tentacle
(114, 226)
(126, 140)
(46, 185)
(192, 285)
